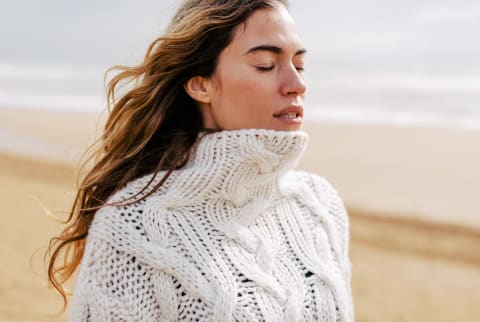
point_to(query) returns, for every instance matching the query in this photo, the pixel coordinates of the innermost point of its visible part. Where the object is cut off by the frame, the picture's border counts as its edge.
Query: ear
(197, 88)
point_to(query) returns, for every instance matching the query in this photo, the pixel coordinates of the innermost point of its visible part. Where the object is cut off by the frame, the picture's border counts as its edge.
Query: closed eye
(265, 68)
(300, 68)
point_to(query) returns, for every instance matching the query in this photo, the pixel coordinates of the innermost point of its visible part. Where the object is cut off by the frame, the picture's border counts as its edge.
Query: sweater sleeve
(112, 286)
(329, 196)
(90, 298)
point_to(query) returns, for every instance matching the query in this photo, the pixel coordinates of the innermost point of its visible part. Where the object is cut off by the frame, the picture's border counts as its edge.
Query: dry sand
(407, 266)
(26, 187)
(428, 173)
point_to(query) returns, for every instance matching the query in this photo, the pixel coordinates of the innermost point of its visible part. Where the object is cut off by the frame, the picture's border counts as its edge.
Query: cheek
(248, 88)
(244, 99)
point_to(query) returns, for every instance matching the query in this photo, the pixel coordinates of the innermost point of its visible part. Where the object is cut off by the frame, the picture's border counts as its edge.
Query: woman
(191, 210)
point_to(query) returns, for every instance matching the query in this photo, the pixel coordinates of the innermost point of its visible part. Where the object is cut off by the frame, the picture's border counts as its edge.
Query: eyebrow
(273, 49)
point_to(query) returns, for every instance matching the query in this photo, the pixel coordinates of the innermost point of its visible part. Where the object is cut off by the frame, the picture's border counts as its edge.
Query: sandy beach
(410, 193)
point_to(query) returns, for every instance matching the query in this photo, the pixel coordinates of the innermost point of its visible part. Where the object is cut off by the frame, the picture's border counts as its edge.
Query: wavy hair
(153, 126)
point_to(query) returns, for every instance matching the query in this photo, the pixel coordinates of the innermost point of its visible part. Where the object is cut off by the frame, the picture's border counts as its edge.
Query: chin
(273, 127)
(288, 127)
(287, 124)
(293, 128)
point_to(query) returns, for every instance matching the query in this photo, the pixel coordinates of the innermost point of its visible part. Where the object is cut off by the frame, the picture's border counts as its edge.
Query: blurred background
(393, 113)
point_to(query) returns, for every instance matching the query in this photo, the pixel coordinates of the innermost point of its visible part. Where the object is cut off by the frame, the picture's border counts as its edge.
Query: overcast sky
(428, 35)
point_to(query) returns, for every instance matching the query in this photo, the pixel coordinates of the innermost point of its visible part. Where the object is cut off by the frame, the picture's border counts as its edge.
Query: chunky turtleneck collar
(236, 165)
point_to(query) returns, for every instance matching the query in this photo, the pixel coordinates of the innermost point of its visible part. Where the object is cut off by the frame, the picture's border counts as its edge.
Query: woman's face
(258, 81)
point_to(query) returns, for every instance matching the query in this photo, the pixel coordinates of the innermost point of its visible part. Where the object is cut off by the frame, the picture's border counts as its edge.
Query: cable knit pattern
(235, 235)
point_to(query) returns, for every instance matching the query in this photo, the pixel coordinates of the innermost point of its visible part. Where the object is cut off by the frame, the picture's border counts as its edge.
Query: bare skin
(258, 82)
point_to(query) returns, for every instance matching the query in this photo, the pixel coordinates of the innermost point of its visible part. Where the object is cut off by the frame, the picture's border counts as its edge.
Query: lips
(288, 116)
(292, 112)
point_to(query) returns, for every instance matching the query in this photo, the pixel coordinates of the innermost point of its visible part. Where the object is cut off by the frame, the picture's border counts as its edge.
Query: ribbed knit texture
(236, 235)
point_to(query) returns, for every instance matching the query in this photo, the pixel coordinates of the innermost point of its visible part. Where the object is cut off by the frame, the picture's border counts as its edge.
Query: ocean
(408, 63)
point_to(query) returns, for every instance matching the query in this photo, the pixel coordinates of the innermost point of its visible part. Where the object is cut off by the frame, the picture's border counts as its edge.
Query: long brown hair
(153, 126)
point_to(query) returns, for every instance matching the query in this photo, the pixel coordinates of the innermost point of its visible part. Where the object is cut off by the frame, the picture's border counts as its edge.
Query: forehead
(267, 27)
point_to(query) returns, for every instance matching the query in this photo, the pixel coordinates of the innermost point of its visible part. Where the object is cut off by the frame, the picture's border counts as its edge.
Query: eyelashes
(270, 68)
(265, 68)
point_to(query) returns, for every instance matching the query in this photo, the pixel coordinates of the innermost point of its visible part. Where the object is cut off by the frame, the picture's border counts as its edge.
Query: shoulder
(324, 193)
(118, 251)
(314, 184)
(323, 198)
(120, 226)
(124, 210)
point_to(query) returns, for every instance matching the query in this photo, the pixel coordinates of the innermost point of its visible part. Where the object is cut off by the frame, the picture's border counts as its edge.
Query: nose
(294, 83)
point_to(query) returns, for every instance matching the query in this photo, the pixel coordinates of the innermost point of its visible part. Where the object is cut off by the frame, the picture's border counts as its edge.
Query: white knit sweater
(233, 236)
